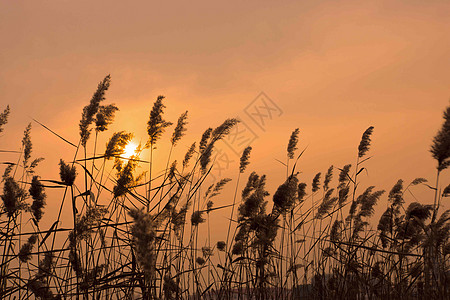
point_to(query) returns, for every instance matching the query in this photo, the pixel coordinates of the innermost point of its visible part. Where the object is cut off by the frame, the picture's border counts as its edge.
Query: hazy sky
(332, 67)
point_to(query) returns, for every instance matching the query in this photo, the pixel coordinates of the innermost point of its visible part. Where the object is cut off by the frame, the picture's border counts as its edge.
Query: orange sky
(333, 67)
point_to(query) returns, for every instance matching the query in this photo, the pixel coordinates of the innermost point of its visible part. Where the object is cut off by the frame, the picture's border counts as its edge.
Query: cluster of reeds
(135, 235)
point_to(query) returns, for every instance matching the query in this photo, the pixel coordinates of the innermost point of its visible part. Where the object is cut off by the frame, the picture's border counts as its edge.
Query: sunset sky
(333, 68)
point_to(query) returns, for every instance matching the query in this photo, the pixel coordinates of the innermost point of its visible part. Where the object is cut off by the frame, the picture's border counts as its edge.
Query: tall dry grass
(306, 242)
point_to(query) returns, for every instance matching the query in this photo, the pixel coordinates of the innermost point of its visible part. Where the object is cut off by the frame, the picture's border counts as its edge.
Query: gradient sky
(334, 68)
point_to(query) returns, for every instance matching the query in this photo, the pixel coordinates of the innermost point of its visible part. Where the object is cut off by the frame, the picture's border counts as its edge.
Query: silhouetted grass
(307, 242)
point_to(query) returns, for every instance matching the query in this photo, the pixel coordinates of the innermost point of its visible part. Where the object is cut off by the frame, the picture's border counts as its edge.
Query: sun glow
(130, 150)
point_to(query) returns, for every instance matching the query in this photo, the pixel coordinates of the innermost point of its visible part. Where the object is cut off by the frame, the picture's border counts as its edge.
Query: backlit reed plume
(39, 283)
(125, 177)
(13, 197)
(219, 186)
(221, 245)
(38, 195)
(440, 148)
(105, 117)
(301, 191)
(67, 173)
(217, 134)
(204, 140)
(367, 201)
(197, 218)
(117, 143)
(253, 197)
(188, 155)
(89, 111)
(156, 125)
(25, 250)
(144, 236)
(83, 229)
(172, 171)
(365, 142)
(336, 231)
(326, 204)
(27, 145)
(286, 195)
(4, 117)
(180, 129)
(343, 175)
(316, 182)
(245, 159)
(328, 178)
(396, 194)
(292, 145)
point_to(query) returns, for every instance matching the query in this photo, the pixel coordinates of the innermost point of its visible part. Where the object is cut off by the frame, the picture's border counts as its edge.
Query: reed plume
(244, 160)
(105, 117)
(328, 178)
(13, 197)
(364, 145)
(27, 145)
(326, 204)
(301, 191)
(38, 195)
(440, 148)
(217, 134)
(156, 125)
(89, 111)
(204, 140)
(188, 155)
(67, 173)
(4, 117)
(117, 143)
(292, 145)
(180, 129)
(316, 182)
(286, 195)
(25, 250)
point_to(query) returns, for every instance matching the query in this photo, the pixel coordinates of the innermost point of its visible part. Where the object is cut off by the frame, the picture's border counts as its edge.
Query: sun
(130, 150)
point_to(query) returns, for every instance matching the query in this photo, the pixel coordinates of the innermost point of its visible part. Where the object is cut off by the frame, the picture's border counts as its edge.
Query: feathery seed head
(204, 141)
(117, 143)
(316, 182)
(27, 146)
(4, 118)
(37, 193)
(67, 173)
(418, 181)
(200, 260)
(13, 196)
(221, 245)
(244, 161)
(91, 110)
(328, 178)
(286, 194)
(440, 148)
(197, 218)
(301, 191)
(396, 193)
(156, 125)
(292, 145)
(343, 175)
(179, 129)
(327, 203)
(105, 117)
(188, 155)
(25, 250)
(364, 145)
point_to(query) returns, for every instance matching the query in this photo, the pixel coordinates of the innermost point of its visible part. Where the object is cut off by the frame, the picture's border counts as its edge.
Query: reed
(135, 235)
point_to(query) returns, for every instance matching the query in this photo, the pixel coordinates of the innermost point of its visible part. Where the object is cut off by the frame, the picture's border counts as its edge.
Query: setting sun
(130, 150)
